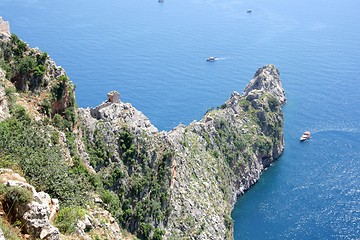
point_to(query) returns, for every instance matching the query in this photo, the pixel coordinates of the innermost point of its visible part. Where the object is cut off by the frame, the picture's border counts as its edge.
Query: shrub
(28, 146)
(158, 234)
(6, 67)
(41, 59)
(245, 104)
(18, 46)
(57, 91)
(68, 218)
(20, 113)
(54, 137)
(262, 145)
(39, 70)
(26, 65)
(46, 107)
(18, 195)
(273, 103)
(144, 230)
(58, 121)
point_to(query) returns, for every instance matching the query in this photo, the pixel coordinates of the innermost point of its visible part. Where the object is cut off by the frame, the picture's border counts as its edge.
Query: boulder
(35, 215)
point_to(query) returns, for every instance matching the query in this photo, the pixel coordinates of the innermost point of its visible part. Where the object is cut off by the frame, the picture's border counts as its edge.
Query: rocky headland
(110, 163)
(209, 163)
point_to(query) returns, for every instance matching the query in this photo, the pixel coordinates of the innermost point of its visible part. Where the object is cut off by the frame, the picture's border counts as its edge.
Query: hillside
(110, 167)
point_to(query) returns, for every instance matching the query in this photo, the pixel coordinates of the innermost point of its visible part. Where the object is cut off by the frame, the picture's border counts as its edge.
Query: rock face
(4, 29)
(34, 216)
(267, 79)
(212, 161)
(222, 155)
(99, 221)
(126, 113)
(4, 109)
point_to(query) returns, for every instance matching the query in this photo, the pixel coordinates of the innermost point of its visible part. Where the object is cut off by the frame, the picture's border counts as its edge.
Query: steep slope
(39, 140)
(180, 184)
(222, 155)
(200, 168)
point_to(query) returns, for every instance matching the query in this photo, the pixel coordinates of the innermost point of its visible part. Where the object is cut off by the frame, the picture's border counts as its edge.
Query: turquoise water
(154, 54)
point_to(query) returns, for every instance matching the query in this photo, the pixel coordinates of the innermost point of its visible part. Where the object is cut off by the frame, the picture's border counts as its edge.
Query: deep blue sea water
(154, 54)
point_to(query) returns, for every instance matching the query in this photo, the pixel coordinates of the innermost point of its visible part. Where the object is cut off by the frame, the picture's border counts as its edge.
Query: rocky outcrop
(118, 111)
(212, 161)
(4, 29)
(4, 109)
(222, 155)
(267, 79)
(35, 216)
(99, 221)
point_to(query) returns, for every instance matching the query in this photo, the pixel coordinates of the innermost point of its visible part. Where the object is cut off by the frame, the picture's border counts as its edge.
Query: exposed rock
(212, 171)
(2, 237)
(101, 222)
(34, 216)
(98, 200)
(4, 109)
(213, 161)
(267, 79)
(4, 29)
(119, 111)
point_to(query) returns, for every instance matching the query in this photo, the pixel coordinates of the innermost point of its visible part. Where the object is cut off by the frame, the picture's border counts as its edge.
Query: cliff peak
(267, 79)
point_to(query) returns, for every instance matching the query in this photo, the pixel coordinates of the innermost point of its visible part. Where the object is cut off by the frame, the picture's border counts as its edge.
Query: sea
(154, 53)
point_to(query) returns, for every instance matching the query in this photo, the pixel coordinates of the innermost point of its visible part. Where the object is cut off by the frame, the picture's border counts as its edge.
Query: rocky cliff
(109, 166)
(39, 140)
(206, 164)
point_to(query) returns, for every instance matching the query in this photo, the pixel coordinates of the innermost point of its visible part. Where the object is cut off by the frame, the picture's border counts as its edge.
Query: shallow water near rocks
(155, 55)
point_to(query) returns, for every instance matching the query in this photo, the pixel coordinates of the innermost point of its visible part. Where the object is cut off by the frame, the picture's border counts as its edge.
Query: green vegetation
(23, 67)
(18, 195)
(58, 90)
(25, 145)
(245, 104)
(137, 191)
(68, 217)
(273, 103)
(10, 233)
(18, 46)
(11, 198)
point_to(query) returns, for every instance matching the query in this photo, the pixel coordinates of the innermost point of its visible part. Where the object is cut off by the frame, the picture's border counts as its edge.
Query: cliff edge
(109, 166)
(199, 170)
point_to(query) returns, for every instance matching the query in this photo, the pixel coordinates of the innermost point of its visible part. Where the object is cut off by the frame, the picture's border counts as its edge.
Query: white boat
(305, 136)
(210, 59)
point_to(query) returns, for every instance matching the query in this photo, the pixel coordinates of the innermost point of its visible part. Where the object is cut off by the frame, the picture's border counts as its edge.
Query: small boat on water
(210, 59)
(249, 11)
(305, 136)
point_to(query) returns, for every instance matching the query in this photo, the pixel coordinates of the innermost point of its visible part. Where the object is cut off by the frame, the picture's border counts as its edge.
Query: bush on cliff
(68, 217)
(25, 145)
(137, 191)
